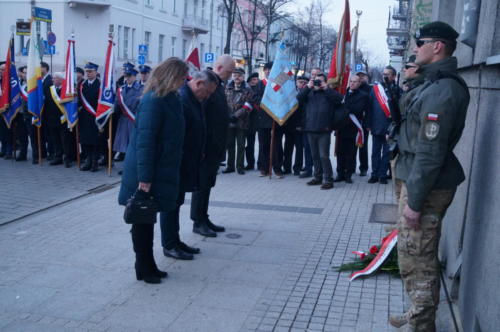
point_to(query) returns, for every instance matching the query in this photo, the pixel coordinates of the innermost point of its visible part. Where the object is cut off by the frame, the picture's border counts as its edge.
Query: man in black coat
(89, 133)
(217, 123)
(356, 101)
(363, 151)
(193, 95)
(320, 103)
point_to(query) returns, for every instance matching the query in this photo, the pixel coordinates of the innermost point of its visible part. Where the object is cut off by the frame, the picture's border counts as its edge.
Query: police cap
(437, 29)
(91, 66)
(131, 72)
(144, 68)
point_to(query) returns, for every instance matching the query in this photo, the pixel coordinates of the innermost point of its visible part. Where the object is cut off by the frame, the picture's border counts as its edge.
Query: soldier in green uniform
(430, 173)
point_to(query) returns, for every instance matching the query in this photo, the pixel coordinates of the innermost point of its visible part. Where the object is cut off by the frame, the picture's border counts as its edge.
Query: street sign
(51, 38)
(209, 57)
(23, 28)
(41, 14)
(143, 49)
(24, 51)
(47, 49)
(141, 59)
(359, 67)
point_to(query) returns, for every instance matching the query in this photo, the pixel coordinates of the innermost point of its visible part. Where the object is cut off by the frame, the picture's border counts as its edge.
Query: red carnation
(362, 256)
(373, 250)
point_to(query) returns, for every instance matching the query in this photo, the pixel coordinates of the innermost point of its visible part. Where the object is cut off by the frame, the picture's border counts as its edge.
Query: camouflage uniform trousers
(418, 258)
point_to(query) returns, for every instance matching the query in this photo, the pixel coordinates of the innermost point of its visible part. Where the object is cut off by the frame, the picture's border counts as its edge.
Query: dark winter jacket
(194, 140)
(357, 103)
(217, 122)
(319, 107)
(155, 151)
(240, 103)
(264, 121)
(89, 133)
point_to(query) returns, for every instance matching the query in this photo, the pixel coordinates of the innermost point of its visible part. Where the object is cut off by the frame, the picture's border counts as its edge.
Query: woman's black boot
(143, 244)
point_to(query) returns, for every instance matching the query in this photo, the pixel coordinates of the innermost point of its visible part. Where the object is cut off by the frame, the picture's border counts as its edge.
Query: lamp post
(355, 42)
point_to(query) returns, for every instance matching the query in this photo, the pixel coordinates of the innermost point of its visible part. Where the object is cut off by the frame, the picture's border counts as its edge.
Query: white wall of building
(132, 21)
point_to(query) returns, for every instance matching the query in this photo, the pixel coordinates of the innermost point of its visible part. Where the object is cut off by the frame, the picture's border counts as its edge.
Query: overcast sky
(372, 24)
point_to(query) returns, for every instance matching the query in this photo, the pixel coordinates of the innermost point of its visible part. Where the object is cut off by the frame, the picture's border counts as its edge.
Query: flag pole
(110, 138)
(39, 139)
(77, 133)
(273, 129)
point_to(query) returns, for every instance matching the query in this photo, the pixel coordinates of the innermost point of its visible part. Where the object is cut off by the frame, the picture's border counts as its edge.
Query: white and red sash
(382, 99)
(85, 103)
(58, 102)
(126, 111)
(360, 137)
(24, 92)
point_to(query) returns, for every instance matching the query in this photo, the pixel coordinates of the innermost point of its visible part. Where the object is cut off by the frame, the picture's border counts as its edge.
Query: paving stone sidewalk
(71, 268)
(28, 188)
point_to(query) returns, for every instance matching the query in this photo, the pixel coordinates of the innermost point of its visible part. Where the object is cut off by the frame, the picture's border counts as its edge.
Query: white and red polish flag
(107, 91)
(339, 67)
(193, 61)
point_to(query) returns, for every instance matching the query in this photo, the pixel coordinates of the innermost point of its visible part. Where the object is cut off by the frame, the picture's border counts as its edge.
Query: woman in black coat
(154, 156)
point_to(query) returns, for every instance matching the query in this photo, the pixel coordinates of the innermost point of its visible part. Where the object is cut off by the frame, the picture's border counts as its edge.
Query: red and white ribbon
(360, 137)
(128, 113)
(382, 99)
(24, 92)
(385, 251)
(247, 106)
(85, 103)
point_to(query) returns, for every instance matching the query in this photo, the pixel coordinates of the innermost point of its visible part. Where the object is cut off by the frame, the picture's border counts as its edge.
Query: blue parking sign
(143, 49)
(141, 59)
(359, 67)
(209, 57)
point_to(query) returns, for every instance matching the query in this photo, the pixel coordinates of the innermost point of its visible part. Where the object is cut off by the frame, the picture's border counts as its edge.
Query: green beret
(438, 29)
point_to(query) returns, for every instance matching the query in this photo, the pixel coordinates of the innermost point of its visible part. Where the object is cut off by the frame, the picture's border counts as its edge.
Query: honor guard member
(145, 70)
(431, 127)
(89, 133)
(126, 65)
(126, 105)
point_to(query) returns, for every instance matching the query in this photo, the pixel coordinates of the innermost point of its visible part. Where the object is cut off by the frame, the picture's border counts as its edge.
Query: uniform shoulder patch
(431, 130)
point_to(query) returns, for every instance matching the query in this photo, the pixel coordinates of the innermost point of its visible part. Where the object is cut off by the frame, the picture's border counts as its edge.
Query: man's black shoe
(103, 161)
(249, 168)
(326, 186)
(228, 170)
(190, 250)
(362, 173)
(339, 179)
(203, 229)
(214, 227)
(177, 253)
(314, 182)
(86, 167)
(287, 171)
(95, 166)
(241, 171)
(373, 180)
(305, 175)
(56, 161)
(382, 181)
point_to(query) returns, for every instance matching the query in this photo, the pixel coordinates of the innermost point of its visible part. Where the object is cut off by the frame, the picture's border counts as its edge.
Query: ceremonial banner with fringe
(107, 91)
(11, 101)
(69, 97)
(339, 67)
(280, 95)
(34, 78)
(390, 242)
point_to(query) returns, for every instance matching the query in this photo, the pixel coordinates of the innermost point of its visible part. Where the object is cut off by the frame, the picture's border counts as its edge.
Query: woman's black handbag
(141, 208)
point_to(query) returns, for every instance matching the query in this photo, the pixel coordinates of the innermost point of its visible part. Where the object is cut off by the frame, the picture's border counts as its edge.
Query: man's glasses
(410, 66)
(421, 42)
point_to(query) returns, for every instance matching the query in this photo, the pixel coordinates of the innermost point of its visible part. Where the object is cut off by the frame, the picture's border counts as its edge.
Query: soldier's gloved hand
(233, 118)
(412, 217)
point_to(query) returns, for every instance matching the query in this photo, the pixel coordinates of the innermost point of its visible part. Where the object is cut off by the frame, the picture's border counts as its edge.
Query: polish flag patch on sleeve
(432, 116)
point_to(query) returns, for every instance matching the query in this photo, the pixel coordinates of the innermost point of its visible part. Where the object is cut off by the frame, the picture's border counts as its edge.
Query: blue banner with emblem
(280, 95)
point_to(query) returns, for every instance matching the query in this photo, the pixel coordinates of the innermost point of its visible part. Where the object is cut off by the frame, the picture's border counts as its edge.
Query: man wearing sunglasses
(432, 124)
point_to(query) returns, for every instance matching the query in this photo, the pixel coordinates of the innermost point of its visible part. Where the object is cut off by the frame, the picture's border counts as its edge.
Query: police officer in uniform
(89, 133)
(145, 70)
(430, 173)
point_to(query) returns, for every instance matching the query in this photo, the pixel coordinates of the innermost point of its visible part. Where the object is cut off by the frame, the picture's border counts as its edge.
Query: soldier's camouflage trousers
(418, 258)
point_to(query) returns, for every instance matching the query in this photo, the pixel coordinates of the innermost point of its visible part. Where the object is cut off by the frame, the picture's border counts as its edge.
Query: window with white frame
(184, 48)
(126, 37)
(161, 39)
(133, 43)
(174, 40)
(119, 41)
(147, 40)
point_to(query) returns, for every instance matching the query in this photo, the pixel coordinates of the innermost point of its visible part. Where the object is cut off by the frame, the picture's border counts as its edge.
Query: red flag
(68, 90)
(193, 61)
(339, 67)
(107, 91)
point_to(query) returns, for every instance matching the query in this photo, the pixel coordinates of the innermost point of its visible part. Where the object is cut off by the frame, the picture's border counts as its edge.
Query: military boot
(398, 320)
(95, 166)
(87, 165)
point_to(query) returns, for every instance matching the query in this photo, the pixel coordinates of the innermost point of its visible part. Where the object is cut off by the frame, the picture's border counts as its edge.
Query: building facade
(168, 27)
